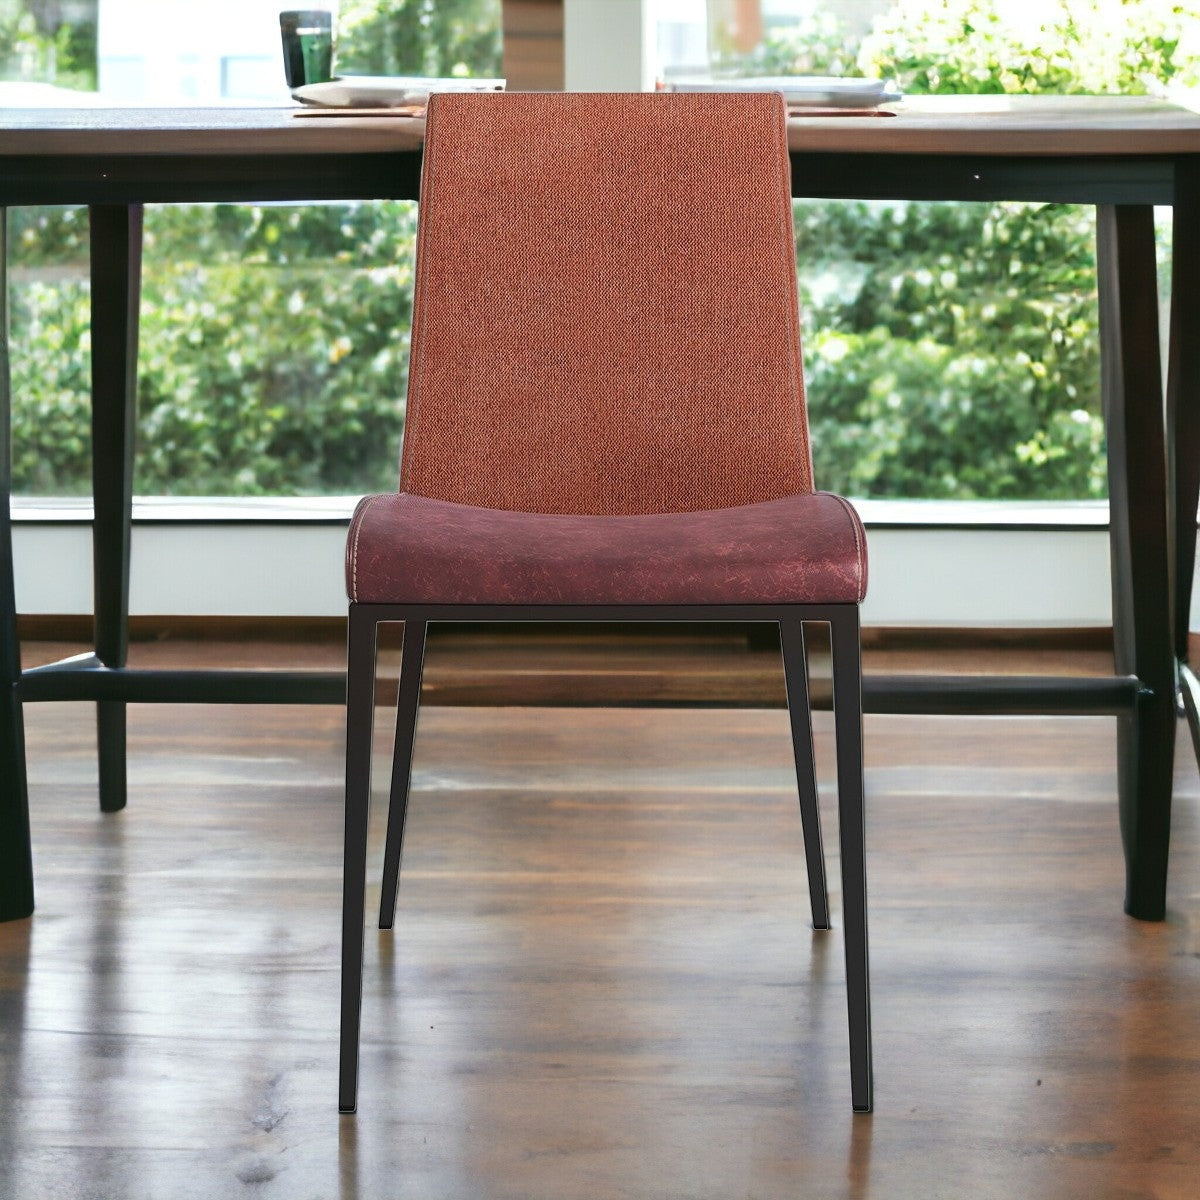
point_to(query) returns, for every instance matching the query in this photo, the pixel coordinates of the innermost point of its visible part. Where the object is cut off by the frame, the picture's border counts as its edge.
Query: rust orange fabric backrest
(605, 314)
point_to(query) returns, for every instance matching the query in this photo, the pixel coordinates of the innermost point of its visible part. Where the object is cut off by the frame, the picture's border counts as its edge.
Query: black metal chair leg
(360, 711)
(116, 265)
(412, 657)
(847, 708)
(795, 673)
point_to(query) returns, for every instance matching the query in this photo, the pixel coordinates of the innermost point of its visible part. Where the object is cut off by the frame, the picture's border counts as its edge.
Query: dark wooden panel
(1139, 537)
(232, 178)
(170, 178)
(16, 877)
(533, 45)
(1083, 180)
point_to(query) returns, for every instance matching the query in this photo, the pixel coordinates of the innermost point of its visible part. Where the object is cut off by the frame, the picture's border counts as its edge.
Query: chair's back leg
(360, 710)
(847, 708)
(795, 673)
(412, 658)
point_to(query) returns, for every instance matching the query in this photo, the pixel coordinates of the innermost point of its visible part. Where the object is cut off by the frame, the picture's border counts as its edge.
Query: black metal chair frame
(843, 621)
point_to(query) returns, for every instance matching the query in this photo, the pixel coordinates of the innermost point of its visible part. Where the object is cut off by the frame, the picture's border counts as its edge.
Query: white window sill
(894, 514)
(979, 563)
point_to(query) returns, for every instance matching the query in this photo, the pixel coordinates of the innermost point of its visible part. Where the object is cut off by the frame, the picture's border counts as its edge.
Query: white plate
(386, 91)
(824, 91)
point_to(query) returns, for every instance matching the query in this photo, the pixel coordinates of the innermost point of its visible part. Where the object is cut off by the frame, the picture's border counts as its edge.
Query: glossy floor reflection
(601, 982)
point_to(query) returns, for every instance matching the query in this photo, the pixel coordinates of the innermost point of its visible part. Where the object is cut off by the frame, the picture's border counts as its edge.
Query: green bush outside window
(951, 350)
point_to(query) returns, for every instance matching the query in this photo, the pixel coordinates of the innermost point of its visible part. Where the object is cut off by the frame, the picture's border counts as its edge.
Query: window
(273, 342)
(952, 350)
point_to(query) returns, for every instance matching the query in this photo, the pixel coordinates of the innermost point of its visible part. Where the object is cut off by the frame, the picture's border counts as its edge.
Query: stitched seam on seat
(858, 546)
(358, 524)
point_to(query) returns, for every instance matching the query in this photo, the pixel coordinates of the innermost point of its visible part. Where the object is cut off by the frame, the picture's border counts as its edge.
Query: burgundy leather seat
(406, 549)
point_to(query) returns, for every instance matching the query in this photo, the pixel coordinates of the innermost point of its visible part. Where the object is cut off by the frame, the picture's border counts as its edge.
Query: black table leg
(1143, 643)
(16, 860)
(116, 262)
(1183, 417)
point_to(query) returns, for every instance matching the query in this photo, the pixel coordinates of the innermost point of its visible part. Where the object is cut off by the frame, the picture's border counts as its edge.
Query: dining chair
(606, 422)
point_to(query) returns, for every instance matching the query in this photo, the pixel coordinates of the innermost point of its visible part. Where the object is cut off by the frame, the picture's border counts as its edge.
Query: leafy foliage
(951, 349)
(419, 37)
(1090, 46)
(274, 340)
(273, 349)
(38, 41)
(815, 45)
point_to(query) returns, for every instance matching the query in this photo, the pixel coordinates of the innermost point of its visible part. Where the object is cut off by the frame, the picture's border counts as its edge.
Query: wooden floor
(602, 982)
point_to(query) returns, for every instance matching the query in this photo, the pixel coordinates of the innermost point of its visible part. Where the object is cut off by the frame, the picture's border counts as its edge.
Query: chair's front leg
(360, 710)
(847, 709)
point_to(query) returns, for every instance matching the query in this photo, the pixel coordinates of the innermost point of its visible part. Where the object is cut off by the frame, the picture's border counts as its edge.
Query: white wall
(191, 51)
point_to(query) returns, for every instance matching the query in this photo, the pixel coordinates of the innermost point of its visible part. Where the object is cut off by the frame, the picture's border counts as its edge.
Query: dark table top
(1003, 125)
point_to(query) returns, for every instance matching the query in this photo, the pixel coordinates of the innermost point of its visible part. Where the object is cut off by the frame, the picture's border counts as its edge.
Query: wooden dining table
(1124, 155)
